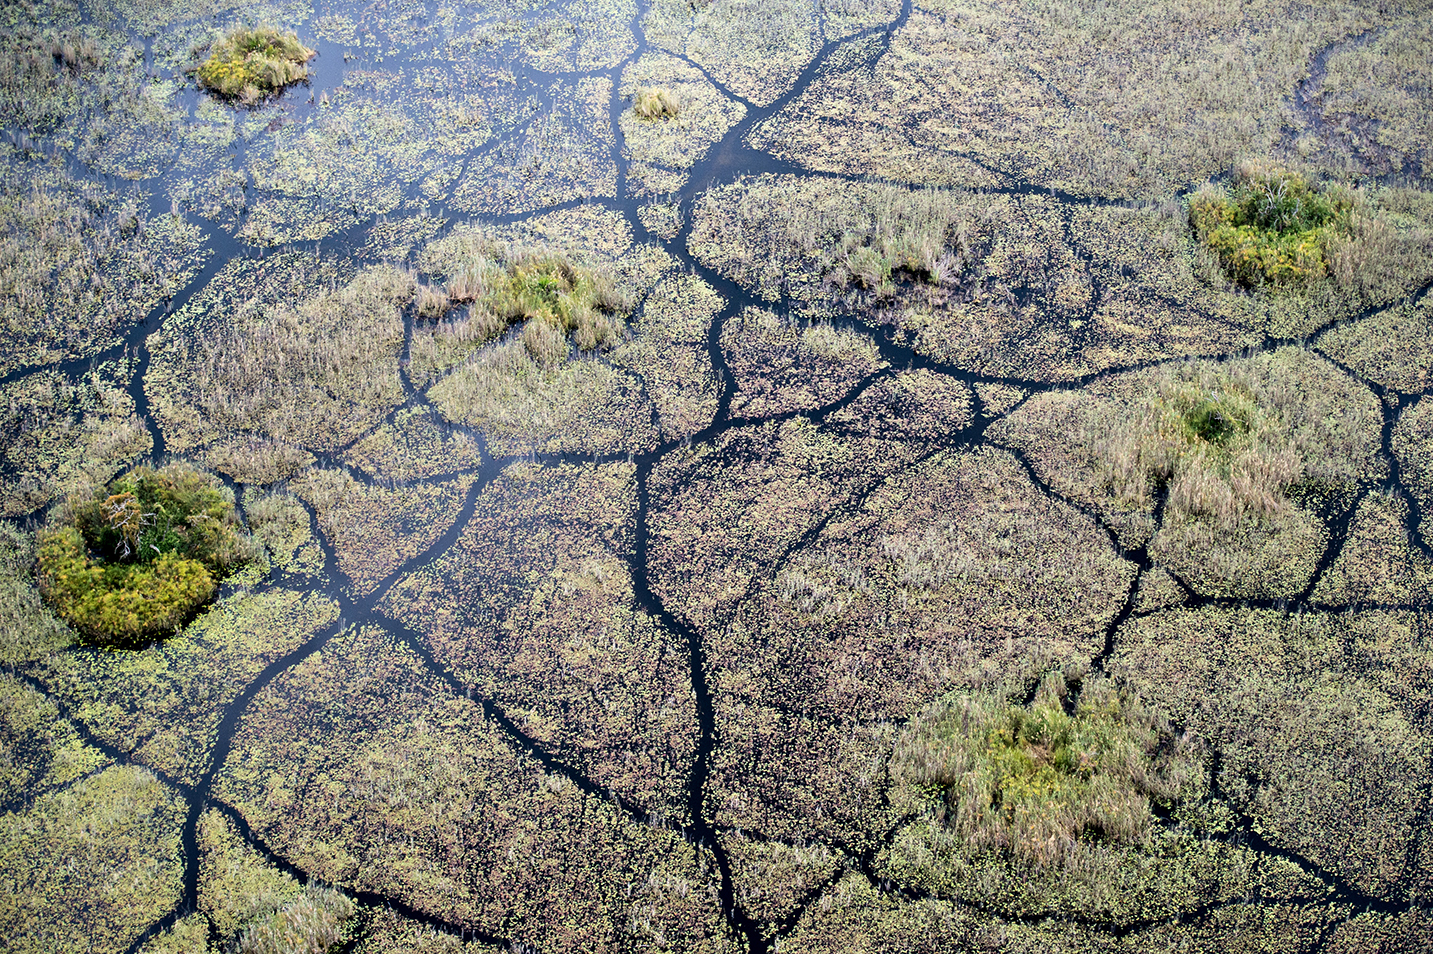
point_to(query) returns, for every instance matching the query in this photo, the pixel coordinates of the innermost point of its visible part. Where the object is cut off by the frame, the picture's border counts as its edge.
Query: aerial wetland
(731, 476)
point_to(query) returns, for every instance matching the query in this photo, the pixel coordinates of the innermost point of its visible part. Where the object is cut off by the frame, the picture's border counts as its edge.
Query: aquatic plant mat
(728, 476)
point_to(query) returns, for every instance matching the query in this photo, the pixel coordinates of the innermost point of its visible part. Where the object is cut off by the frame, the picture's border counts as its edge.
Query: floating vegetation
(82, 265)
(250, 62)
(135, 559)
(61, 432)
(91, 865)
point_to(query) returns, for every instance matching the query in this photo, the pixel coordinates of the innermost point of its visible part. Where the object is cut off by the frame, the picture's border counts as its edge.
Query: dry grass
(771, 232)
(311, 924)
(655, 104)
(308, 374)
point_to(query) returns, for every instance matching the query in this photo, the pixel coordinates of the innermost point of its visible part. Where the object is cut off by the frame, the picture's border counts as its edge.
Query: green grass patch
(251, 62)
(556, 299)
(1271, 226)
(1080, 763)
(135, 559)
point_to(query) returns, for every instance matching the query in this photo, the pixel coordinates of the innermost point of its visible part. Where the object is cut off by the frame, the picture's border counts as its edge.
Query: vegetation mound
(1271, 227)
(135, 559)
(555, 298)
(251, 62)
(1080, 763)
(655, 103)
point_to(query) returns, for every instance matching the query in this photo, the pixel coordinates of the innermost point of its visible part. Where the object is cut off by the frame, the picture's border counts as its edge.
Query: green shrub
(251, 62)
(130, 561)
(655, 104)
(1271, 227)
(1031, 781)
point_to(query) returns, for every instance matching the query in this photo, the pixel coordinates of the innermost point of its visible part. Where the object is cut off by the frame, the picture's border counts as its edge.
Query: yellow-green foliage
(249, 62)
(1272, 227)
(650, 103)
(136, 558)
(1032, 781)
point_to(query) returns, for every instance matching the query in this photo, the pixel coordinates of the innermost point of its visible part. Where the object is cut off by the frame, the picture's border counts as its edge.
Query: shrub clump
(655, 103)
(1079, 764)
(135, 559)
(558, 300)
(310, 924)
(250, 62)
(1271, 227)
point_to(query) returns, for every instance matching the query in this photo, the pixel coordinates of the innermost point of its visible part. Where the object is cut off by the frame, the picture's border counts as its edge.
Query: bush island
(1272, 227)
(1032, 781)
(251, 62)
(133, 560)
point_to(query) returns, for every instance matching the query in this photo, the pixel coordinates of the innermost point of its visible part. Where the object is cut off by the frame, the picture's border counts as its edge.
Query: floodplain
(722, 476)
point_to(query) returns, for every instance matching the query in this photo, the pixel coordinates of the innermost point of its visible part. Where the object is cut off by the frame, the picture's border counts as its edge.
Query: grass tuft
(1080, 763)
(312, 923)
(655, 103)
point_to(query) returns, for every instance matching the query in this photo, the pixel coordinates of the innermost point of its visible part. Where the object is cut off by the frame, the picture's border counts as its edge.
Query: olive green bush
(1271, 227)
(250, 62)
(130, 561)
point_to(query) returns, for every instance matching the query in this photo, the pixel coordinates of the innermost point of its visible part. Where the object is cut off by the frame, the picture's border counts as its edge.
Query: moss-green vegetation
(89, 866)
(1271, 226)
(250, 62)
(135, 559)
(1076, 765)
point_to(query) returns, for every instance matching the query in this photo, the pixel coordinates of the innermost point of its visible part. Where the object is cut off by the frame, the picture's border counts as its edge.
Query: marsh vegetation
(727, 477)
(249, 62)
